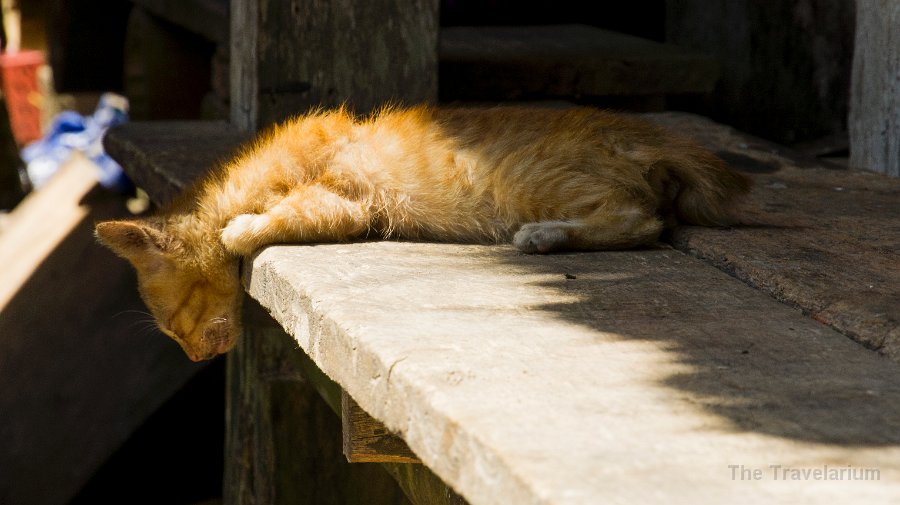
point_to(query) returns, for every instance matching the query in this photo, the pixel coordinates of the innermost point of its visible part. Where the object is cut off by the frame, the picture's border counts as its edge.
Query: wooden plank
(820, 239)
(366, 440)
(164, 157)
(641, 379)
(874, 122)
(41, 221)
(286, 57)
(564, 61)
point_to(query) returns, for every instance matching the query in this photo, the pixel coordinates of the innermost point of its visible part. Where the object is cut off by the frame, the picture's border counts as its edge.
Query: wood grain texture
(875, 96)
(283, 441)
(819, 238)
(366, 440)
(785, 65)
(644, 377)
(165, 157)
(291, 56)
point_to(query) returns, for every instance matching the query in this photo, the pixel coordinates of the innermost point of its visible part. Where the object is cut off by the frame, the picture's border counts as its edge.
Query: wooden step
(564, 61)
(819, 238)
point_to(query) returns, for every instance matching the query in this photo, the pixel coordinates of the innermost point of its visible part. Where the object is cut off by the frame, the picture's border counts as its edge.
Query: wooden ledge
(164, 157)
(644, 377)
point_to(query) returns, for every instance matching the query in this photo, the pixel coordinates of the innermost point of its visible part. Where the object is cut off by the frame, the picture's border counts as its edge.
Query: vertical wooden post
(287, 57)
(244, 85)
(874, 122)
(283, 442)
(785, 64)
(290, 56)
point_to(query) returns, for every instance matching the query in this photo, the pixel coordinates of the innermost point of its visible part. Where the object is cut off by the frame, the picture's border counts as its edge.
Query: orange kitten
(548, 180)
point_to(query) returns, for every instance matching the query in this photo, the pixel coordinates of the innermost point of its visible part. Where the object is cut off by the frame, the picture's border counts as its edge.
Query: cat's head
(198, 305)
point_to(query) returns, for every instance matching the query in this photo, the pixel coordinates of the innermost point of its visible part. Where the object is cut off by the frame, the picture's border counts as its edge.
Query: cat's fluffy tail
(705, 190)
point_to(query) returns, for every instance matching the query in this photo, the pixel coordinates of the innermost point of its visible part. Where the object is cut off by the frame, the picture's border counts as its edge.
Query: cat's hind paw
(544, 237)
(243, 233)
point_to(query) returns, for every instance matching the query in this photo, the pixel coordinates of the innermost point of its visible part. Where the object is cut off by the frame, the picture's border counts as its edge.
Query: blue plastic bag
(71, 131)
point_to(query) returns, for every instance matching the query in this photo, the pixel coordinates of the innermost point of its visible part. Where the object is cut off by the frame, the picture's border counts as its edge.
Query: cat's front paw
(542, 237)
(243, 233)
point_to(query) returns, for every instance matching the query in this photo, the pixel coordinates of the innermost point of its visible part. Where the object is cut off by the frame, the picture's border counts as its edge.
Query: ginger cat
(549, 180)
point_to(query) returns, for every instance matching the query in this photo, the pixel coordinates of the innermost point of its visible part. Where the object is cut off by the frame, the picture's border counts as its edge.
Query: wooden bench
(637, 376)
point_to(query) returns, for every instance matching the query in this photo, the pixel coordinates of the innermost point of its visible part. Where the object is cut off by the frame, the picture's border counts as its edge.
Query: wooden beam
(366, 440)
(283, 443)
(283, 440)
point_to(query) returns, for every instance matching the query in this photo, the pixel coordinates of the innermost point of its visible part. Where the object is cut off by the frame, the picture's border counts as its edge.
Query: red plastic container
(22, 94)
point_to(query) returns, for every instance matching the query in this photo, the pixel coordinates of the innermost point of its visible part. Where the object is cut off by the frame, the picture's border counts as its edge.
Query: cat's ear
(135, 241)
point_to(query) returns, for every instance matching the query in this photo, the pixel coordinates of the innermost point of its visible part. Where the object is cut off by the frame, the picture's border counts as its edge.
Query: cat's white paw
(542, 237)
(242, 234)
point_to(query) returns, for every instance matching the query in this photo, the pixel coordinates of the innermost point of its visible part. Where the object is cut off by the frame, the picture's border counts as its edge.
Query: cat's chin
(209, 354)
(219, 336)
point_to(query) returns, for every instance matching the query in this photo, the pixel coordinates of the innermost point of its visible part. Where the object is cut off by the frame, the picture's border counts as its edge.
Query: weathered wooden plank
(641, 379)
(366, 440)
(290, 56)
(418, 483)
(164, 157)
(874, 122)
(284, 437)
(820, 239)
(564, 61)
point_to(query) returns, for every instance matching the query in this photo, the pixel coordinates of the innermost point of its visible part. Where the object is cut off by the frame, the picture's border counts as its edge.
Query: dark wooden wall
(289, 56)
(786, 63)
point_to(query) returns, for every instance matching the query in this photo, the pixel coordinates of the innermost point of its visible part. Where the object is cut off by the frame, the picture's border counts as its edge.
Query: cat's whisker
(132, 311)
